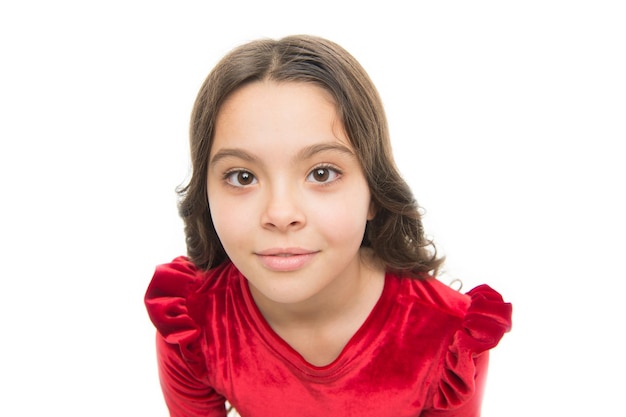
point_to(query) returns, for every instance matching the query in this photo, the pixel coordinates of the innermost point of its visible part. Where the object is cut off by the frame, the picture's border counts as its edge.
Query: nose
(283, 209)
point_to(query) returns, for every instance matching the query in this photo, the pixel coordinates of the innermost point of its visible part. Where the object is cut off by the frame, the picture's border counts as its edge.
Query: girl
(309, 288)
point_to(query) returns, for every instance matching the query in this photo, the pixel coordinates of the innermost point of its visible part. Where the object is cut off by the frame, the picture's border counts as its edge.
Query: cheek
(228, 219)
(345, 219)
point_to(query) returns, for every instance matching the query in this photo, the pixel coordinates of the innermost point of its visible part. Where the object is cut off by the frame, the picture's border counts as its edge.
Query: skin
(289, 202)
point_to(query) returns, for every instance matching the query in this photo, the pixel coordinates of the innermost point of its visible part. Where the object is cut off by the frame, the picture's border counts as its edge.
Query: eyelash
(229, 174)
(328, 168)
(331, 170)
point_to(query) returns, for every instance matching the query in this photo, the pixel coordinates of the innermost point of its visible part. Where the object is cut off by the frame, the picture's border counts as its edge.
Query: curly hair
(396, 234)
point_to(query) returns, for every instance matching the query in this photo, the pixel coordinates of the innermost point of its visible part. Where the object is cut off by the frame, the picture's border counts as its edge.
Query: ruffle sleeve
(170, 303)
(176, 305)
(487, 318)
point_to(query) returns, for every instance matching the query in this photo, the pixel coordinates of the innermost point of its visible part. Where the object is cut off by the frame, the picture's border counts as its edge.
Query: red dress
(423, 350)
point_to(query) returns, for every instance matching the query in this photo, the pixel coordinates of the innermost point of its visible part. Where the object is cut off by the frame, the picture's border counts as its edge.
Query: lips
(285, 260)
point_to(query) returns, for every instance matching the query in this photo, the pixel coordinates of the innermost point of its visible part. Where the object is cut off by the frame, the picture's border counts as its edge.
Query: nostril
(283, 219)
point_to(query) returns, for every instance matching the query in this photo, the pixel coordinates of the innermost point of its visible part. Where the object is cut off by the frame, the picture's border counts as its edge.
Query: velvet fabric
(423, 350)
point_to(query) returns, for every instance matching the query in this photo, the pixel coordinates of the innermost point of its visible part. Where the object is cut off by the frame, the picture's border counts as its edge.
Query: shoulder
(177, 295)
(465, 326)
(431, 293)
(482, 303)
(477, 321)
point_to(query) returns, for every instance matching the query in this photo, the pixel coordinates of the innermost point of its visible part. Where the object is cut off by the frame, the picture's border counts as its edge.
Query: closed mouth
(285, 260)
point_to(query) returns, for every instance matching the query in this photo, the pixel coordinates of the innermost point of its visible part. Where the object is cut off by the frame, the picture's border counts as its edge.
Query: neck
(319, 328)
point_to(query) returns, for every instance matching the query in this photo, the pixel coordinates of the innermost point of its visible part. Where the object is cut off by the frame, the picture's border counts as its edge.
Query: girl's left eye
(323, 175)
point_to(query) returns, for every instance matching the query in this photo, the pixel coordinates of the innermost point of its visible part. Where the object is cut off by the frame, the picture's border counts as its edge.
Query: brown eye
(240, 178)
(244, 178)
(323, 175)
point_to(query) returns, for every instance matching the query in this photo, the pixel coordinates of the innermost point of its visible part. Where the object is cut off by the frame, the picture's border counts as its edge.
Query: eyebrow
(312, 150)
(305, 153)
(233, 153)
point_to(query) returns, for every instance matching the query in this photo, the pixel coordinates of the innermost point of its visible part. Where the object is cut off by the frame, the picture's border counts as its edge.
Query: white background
(507, 118)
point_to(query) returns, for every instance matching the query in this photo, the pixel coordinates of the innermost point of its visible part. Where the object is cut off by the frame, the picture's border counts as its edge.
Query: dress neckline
(360, 342)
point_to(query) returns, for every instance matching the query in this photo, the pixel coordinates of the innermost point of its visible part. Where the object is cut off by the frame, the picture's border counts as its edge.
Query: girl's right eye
(240, 178)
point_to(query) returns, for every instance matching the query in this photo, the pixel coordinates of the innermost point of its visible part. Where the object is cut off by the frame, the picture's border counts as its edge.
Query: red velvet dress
(423, 350)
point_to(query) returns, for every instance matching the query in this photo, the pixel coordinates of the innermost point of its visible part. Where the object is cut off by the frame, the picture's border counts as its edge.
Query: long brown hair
(396, 233)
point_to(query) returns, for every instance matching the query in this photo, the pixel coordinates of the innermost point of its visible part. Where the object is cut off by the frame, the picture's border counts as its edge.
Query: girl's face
(287, 194)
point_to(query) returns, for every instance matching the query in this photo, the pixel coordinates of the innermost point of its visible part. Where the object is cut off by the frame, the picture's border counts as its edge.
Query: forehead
(278, 112)
(277, 91)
